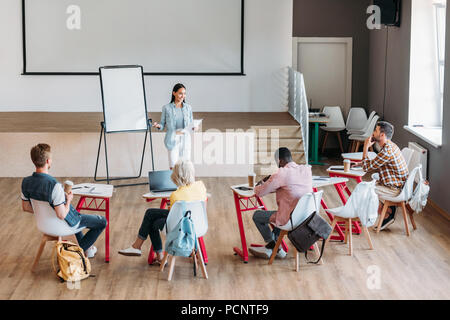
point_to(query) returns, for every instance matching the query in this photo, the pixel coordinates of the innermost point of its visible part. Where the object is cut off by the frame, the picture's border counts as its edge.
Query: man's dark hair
(40, 154)
(386, 128)
(283, 154)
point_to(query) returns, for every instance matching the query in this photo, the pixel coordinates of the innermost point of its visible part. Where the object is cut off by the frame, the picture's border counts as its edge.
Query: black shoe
(388, 221)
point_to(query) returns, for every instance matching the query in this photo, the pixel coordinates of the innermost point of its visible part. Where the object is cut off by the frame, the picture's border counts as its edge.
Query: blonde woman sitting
(183, 176)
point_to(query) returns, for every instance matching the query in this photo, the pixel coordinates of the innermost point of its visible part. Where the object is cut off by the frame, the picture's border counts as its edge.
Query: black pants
(154, 221)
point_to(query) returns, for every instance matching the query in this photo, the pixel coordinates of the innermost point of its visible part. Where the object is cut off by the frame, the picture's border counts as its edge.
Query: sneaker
(281, 254)
(130, 252)
(387, 222)
(90, 253)
(261, 252)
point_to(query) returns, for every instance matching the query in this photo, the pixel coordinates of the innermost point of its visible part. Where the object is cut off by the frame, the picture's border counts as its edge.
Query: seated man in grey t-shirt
(43, 187)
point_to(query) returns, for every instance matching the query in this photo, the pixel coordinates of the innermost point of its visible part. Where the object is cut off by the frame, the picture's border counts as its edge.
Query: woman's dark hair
(177, 87)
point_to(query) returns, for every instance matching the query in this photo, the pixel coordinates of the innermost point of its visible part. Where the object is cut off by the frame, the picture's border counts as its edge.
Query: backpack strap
(321, 253)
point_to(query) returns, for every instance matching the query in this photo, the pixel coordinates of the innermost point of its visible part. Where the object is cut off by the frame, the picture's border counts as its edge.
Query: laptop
(159, 181)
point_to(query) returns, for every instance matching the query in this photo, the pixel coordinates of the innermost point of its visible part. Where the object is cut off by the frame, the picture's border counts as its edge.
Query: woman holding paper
(177, 118)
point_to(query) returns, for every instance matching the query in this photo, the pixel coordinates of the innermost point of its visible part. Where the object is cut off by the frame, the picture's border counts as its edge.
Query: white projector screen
(123, 95)
(163, 36)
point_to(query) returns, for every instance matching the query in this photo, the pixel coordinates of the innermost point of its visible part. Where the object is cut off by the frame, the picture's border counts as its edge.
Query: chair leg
(350, 148)
(333, 225)
(324, 141)
(367, 235)
(297, 259)
(277, 245)
(316, 249)
(39, 253)
(338, 133)
(405, 218)
(357, 146)
(202, 263)
(163, 262)
(383, 213)
(411, 216)
(171, 267)
(349, 232)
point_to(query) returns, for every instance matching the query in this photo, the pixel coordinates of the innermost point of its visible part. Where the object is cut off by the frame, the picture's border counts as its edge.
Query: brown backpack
(73, 264)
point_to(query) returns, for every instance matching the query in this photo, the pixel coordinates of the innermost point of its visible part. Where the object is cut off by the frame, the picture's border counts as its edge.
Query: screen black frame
(25, 72)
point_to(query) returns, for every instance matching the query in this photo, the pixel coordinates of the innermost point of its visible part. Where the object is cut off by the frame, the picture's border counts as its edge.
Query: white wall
(268, 50)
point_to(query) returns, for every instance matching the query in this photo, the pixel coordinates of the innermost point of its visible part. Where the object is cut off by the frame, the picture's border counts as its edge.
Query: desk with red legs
(164, 197)
(95, 197)
(247, 201)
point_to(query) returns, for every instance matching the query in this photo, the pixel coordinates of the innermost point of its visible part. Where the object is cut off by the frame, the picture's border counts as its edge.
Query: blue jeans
(96, 224)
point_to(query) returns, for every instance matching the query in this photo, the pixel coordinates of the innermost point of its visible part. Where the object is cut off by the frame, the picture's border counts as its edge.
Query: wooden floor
(417, 267)
(90, 121)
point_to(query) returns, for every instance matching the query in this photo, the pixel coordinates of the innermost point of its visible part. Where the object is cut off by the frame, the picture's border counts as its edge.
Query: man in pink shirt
(290, 183)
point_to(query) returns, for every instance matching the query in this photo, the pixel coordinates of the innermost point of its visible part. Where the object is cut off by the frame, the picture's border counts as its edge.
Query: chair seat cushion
(335, 211)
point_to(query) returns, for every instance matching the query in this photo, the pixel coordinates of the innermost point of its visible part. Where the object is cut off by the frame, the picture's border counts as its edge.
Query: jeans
(96, 224)
(154, 221)
(261, 219)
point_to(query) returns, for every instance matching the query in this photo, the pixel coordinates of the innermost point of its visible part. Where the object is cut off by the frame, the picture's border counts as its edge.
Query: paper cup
(68, 186)
(251, 180)
(346, 165)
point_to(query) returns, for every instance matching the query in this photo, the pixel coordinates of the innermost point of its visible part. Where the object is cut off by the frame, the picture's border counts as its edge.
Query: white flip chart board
(123, 96)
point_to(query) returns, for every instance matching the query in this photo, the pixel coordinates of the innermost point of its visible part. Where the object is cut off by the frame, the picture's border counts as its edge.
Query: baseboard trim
(441, 211)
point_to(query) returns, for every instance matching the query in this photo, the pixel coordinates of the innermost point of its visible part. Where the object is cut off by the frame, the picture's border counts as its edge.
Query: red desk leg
(107, 230)
(338, 229)
(244, 252)
(83, 205)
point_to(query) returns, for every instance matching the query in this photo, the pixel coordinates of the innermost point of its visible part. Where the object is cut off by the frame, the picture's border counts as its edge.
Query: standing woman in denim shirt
(176, 116)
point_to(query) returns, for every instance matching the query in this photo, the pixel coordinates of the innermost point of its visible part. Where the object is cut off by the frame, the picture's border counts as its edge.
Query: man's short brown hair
(40, 154)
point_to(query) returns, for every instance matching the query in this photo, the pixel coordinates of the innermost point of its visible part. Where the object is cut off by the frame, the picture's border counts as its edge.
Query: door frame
(348, 41)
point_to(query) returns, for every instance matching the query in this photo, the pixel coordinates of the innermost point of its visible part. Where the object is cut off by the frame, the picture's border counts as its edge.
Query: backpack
(419, 198)
(181, 240)
(73, 264)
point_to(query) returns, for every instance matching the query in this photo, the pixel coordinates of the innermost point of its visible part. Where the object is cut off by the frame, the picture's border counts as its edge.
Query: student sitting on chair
(43, 187)
(390, 164)
(183, 176)
(290, 183)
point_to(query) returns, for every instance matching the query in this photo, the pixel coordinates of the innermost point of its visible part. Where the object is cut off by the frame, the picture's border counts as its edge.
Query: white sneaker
(130, 252)
(90, 253)
(261, 252)
(281, 253)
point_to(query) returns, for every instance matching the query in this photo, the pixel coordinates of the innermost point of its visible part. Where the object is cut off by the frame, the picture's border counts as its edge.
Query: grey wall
(397, 96)
(339, 18)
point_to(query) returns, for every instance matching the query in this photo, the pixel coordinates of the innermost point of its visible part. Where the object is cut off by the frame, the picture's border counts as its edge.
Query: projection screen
(164, 36)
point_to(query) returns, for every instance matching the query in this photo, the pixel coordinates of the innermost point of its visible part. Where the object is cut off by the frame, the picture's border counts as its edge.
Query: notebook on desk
(160, 181)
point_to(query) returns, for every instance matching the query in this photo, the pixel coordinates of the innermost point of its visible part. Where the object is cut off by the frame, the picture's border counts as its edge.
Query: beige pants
(384, 191)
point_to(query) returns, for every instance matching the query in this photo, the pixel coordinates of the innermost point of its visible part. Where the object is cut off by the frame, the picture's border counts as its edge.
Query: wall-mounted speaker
(390, 11)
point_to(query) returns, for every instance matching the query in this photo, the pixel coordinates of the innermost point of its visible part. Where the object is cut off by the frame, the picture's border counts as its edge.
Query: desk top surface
(318, 119)
(354, 172)
(357, 156)
(163, 195)
(318, 182)
(93, 190)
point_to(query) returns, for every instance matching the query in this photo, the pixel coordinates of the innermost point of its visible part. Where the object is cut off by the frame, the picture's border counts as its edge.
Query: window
(427, 65)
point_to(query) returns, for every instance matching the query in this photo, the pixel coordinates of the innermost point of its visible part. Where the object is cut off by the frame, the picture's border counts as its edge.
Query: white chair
(335, 124)
(307, 205)
(200, 220)
(356, 119)
(50, 225)
(400, 201)
(360, 138)
(361, 206)
(365, 124)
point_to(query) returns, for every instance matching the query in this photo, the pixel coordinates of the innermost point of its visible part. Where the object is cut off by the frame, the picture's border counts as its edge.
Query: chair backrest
(356, 119)
(306, 205)
(198, 215)
(369, 129)
(362, 204)
(408, 188)
(336, 119)
(47, 222)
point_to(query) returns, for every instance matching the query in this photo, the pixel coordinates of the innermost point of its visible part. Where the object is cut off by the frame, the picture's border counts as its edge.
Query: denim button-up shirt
(168, 120)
